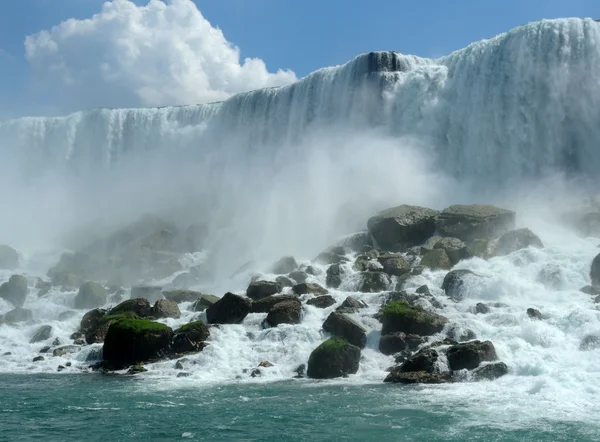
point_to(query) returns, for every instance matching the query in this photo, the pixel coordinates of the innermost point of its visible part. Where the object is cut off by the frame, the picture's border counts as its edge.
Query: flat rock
(475, 221)
(323, 301)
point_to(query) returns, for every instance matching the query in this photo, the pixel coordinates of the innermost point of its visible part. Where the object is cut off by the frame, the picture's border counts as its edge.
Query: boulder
(66, 315)
(455, 249)
(423, 360)
(230, 309)
(357, 242)
(314, 271)
(42, 334)
(534, 314)
(392, 343)
(17, 315)
(9, 258)
(490, 371)
(71, 270)
(91, 320)
(204, 302)
(470, 354)
(165, 308)
(590, 342)
(323, 301)
(265, 305)
(516, 240)
(262, 289)
(285, 281)
(436, 259)
(150, 293)
(312, 288)
(298, 276)
(423, 290)
(461, 334)
(65, 350)
(335, 274)
(367, 263)
(343, 327)
(285, 265)
(182, 295)
(332, 359)
(399, 316)
(351, 305)
(394, 264)
(480, 309)
(475, 221)
(456, 282)
(190, 337)
(129, 341)
(15, 290)
(137, 306)
(372, 282)
(331, 257)
(43, 286)
(90, 295)
(590, 290)
(38, 359)
(595, 271)
(428, 245)
(286, 312)
(418, 377)
(479, 248)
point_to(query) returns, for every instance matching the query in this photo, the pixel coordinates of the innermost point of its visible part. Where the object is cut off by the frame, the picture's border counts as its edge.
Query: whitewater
(512, 121)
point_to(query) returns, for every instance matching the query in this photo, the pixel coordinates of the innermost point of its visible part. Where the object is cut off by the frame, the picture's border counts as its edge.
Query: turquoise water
(96, 407)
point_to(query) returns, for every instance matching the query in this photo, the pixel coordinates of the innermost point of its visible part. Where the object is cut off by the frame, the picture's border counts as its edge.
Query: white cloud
(154, 55)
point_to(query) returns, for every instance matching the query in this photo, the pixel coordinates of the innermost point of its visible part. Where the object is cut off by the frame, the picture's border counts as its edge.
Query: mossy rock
(400, 316)
(139, 306)
(190, 337)
(204, 302)
(332, 359)
(196, 328)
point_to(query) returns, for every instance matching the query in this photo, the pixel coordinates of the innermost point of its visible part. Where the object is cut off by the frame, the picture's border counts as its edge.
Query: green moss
(139, 325)
(192, 326)
(117, 317)
(333, 344)
(397, 309)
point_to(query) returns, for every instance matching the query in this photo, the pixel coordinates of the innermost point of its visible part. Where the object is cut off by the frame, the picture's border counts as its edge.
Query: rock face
(335, 274)
(399, 316)
(476, 221)
(332, 359)
(436, 259)
(343, 327)
(15, 290)
(151, 293)
(455, 249)
(91, 294)
(312, 288)
(322, 301)
(455, 283)
(392, 343)
(43, 333)
(129, 341)
(470, 354)
(372, 282)
(401, 227)
(9, 258)
(490, 371)
(517, 240)
(285, 265)
(138, 306)
(262, 289)
(286, 312)
(595, 271)
(265, 305)
(190, 337)
(182, 295)
(230, 309)
(165, 308)
(17, 315)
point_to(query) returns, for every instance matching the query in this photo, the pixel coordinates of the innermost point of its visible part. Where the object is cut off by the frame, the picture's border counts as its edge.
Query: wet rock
(534, 314)
(399, 316)
(322, 301)
(455, 283)
(15, 290)
(90, 295)
(479, 248)
(418, 377)
(45, 349)
(480, 309)
(312, 288)
(470, 354)
(255, 373)
(455, 249)
(150, 293)
(285, 281)
(351, 305)
(286, 312)
(264, 305)
(300, 371)
(65, 316)
(38, 359)
(137, 368)
(9, 258)
(516, 240)
(475, 221)
(330, 257)
(590, 290)
(402, 227)
(392, 343)
(165, 308)
(343, 327)
(17, 315)
(423, 290)
(335, 274)
(61, 368)
(265, 364)
(394, 264)
(8, 353)
(429, 244)
(230, 309)
(183, 375)
(179, 364)
(366, 263)
(310, 270)
(42, 334)
(180, 296)
(299, 276)
(372, 282)
(332, 359)
(595, 271)
(91, 320)
(490, 371)
(357, 242)
(262, 289)
(190, 337)
(285, 265)
(65, 350)
(204, 302)
(138, 306)
(590, 342)
(436, 259)
(57, 342)
(423, 360)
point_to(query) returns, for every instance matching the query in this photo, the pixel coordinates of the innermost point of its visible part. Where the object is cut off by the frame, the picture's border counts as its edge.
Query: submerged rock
(286, 312)
(341, 326)
(399, 316)
(516, 240)
(230, 309)
(590, 342)
(534, 314)
(9, 258)
(470, 354)
(480, 308)
(455, 283)
(262, 289)
(42, 334)
(490, 371)
(475, 221)
(15, 290)
(418, 377)
(332, 359)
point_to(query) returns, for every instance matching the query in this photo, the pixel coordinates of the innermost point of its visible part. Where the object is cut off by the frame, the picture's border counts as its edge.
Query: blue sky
(67, 71)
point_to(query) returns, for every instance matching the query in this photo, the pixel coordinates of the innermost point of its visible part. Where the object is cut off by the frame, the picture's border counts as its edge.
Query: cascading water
(288, 170)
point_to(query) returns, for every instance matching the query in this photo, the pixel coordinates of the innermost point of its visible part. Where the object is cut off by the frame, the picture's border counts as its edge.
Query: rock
(185, 280)
(150, 293)
(65, 316)
(180, 296)
(299, 276)
(285, 265)
(392, 343)
(45, 349)
(165, 308)
(91, 294)
(470, 354)
(394, 264)
(310, 270)
(590, 342)
(15, 290)
(137, 368)
(480, 248)
(418, 377)
(312, 288)
(475, 221)
(455, 249)
(183, 375)
(330, 257)
(490, 371)
(190, 337)
(262, 289)
(286, 312)
(402, 227)
(436, 259)
(265, 305)
(71, 270)
(423, 290)
(357, 242)
(595, 271)
(38, 359)
(480, 308)
(423, 360)
(343, 327)
(590, 290)
(91, 320)
(322, 301)
(230, 309)
(65, 350)
(130, 341)
(256, 373)
(138, 306)
(372, 282)
(204, 302)
(455, 283)
(43, 333)
(366, 263)
(61, 368)
(534, 314)
(285, 281)
(335, 274)
(517, 240)
(9, 258)
(57, 342)
(332, 359)
(265, 364)
(179, 364)
(351, 305)
(398, 316)
(17, 315)
(300, 371)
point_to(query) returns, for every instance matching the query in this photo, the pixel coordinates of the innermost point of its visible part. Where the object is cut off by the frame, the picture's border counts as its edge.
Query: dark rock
(61, 368)
(204, 302)
(343, 327)
(265, 364)
(400, 316)
(9, 258)
(262, 289)
(479, 248)
(138, 306)
(394, 264)
(56, 342)
(230, 309)
(299, 276)
(353, 304)
(490, 371)
(68, 364)
(183, 375)
(286, 312)
(285, 265)
(332, 359)
(310, 270)
(470, 354)
(335, 274)
(401, 227)
(190, 337)
(179, 364)
(429, 244)
(45, 349)
(43, 333)
(150, 293)
(423, 360)
(392, 343)
(265, 305)
(595, 271)
(590, 342)
(17, 315)
(255, 373)
(91, 320)
(300, 371)
(534, 314)
(182, 295)
(137, 368)
(590, 290)
(436, 259)
(455, 283)
(413, 341)
(15, 290)
(372, 282)
(65, 350)
(7, 353)
(476, 221)
(38, 359)
(165, 308)
(418, 377)
(366, 263)
(329, 257)
(65, 316)
(517, 240)
(285, 281)
(455, 249)
(322, 301)
(91, 295)
(480, 308)
(79, 341)
(312, 288)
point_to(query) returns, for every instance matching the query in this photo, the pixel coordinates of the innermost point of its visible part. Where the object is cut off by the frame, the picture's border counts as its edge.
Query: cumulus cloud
(153, 55)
